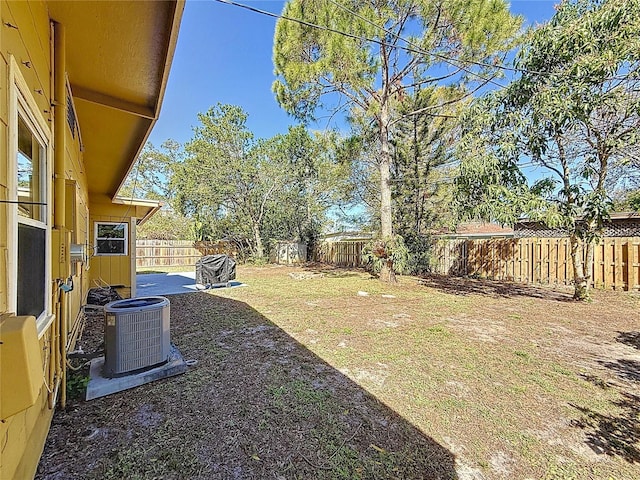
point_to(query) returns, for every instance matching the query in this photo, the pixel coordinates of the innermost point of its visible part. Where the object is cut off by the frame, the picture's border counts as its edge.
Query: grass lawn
(327, 373)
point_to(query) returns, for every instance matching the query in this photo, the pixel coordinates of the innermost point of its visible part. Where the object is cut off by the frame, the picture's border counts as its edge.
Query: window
(111, 238)
(32, 225)
(30, 167)
(28, 229)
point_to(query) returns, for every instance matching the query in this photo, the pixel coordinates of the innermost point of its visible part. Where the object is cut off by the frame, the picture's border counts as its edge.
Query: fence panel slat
(634, 278)
(522, 260)
(161, 253)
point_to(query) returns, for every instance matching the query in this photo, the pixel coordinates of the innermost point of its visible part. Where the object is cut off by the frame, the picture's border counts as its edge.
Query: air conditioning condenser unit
(136, 335)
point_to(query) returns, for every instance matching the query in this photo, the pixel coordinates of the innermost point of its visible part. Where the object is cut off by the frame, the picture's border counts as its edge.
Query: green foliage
(422, 187)
(256, 191)
(200, 231)
(634, 201)
(166, 225)
(420, 260)
(378, 252)
(371, 69)
(628, 201)
(77, 385)
(312, 62)
(152, 171)
(151, 178)
(573, 112)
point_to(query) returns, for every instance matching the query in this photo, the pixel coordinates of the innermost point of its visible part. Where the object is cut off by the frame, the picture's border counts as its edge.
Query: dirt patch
(430, 379)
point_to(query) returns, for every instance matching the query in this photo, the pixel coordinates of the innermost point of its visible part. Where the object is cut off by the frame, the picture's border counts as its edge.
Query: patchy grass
(441, 378)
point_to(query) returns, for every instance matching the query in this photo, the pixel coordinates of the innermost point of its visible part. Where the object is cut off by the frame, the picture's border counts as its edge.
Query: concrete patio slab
(153, 284)
(100, 386)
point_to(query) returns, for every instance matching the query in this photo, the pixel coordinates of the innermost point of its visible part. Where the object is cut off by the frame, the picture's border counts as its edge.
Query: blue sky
(224, 55)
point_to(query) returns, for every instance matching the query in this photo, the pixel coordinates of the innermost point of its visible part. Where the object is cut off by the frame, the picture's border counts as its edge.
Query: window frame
(23, 105)
(125, 240)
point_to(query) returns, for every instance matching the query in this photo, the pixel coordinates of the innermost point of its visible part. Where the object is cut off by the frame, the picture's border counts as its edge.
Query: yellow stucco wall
(4, 138)
(118, 109)
(27, 39)
(22, 435)
(111, 269)
(26, 50)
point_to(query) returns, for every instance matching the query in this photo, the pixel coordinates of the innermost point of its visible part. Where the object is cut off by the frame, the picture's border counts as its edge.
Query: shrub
(382, 250)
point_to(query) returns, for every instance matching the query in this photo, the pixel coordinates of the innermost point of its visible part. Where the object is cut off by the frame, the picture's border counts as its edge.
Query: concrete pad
(153, 284)
(99, 385)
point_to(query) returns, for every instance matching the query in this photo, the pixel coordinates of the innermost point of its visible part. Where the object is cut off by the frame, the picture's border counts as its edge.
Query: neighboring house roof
(477, 230)
(118, 56)
(346, 236)
(622, 224)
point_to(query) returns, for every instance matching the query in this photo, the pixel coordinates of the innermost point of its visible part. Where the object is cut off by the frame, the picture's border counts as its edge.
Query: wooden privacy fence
(164, 253)
(173, 253)
(343, 254)
(616, 262)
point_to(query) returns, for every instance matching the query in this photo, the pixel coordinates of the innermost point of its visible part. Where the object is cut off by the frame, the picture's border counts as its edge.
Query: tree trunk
(580, 280)
(387, 275)
(588, 268)
(386, 221)
(258, 240)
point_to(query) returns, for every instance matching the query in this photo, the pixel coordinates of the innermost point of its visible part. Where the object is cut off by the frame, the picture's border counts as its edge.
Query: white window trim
(132, 238)
(125, 239)
(21, 99)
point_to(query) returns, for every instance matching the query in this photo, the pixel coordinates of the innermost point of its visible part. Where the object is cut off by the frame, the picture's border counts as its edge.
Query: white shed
(289, 252)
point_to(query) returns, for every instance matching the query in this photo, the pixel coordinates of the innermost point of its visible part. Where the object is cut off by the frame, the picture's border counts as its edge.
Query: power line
(420, 50)
(410, 49)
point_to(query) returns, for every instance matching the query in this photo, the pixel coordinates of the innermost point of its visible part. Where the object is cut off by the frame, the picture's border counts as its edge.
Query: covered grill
(215, 270)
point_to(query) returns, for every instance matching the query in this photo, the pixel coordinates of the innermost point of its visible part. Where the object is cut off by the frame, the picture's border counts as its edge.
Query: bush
(381, 250)
(256, 261)
(420, 260)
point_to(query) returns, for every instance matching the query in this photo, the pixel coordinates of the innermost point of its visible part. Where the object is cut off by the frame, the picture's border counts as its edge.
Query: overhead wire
(411, 48)
(445, 58)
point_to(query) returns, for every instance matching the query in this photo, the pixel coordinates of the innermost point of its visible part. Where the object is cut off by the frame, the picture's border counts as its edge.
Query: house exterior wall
(50, 51)
(4, 138)
(25, 37)
(112, 269)
(28, 41)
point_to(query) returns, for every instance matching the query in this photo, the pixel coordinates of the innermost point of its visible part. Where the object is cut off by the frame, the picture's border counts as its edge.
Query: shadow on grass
(615, 435)
(258, 405)
(333, 271)
(492, 288)
(624, 368)
(629, 338)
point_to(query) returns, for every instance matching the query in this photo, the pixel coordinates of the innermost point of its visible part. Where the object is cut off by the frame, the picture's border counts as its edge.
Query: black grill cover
(212, 269)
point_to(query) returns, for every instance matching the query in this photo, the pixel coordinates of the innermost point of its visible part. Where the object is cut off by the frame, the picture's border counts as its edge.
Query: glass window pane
(31, 270)
(111, 247)
(111, 231)
(29, 159)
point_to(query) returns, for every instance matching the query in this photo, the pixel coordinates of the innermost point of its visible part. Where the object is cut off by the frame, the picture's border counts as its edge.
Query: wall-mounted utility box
(20, 364)
(60, 253)
(78, 253)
